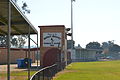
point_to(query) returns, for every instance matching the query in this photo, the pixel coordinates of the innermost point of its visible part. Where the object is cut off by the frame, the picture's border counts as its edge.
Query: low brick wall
(15, 54)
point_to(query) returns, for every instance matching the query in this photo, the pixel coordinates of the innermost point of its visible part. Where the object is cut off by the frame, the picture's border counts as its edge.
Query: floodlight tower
(72, 23)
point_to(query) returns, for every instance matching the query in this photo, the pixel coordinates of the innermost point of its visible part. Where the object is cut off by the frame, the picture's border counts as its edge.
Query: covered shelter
(14, 22)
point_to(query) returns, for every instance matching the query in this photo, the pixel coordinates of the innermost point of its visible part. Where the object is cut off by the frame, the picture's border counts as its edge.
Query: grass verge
(101, 70)
(16, 75)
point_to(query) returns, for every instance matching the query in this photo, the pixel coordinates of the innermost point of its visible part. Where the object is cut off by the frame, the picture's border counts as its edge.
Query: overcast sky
(94, 20)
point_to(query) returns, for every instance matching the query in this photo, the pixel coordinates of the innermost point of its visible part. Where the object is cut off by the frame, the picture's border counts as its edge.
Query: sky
(93, 20)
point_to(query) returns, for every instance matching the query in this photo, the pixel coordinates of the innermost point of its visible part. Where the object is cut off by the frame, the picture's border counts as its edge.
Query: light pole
(72, 24)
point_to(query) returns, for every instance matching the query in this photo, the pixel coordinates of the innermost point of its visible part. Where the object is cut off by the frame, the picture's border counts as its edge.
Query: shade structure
(14, 22)
(19, 23)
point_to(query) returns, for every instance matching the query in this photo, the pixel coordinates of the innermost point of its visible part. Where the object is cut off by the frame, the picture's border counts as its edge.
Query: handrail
(41, 74)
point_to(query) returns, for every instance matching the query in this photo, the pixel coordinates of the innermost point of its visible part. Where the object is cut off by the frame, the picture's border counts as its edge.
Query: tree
(93, 45)
(110, 46)
(107, 44)
(115, 48)
(21, 40)
(3, 41)
(15, 1)
(16, 41)
(24, 6)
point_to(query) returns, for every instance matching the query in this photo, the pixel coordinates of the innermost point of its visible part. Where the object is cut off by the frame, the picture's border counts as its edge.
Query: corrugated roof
(20, 24)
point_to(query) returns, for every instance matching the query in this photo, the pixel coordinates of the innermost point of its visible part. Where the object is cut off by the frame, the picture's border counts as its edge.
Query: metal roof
(19, 23)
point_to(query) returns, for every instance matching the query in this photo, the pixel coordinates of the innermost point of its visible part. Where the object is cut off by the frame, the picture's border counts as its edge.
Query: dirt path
(13, 67)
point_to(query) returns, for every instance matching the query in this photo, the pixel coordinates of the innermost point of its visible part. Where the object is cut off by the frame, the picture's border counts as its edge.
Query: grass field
(16, 75)
(101, 70)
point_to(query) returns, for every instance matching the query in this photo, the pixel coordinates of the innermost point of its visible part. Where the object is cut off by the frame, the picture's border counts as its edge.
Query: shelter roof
(19, 23)
(52, 26)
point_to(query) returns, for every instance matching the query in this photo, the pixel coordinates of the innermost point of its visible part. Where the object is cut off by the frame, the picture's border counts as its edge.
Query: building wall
(3, 55)
(14, 55)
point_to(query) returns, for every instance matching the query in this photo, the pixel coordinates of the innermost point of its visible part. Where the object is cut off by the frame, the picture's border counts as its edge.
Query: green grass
(101, 70)
(16, 75)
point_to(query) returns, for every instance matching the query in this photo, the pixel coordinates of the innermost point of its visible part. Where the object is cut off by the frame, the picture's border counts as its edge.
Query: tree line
(109, 45)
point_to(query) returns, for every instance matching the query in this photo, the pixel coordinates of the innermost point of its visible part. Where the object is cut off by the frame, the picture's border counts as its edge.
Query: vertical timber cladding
(52, 36)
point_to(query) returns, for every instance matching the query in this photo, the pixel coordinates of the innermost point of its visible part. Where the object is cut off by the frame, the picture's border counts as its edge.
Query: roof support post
(8, 40)
(37, 50)
(36, 43)
(29, 54)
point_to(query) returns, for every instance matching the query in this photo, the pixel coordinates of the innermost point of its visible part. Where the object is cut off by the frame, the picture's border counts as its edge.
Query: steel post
(29, 54)
(8, 41)
(37, 50)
